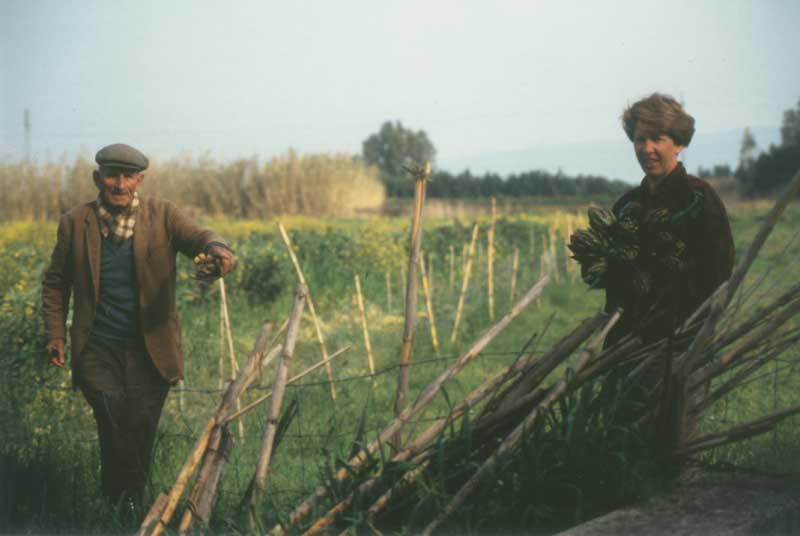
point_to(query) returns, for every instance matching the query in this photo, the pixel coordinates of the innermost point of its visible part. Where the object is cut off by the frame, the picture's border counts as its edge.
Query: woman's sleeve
(720, 251)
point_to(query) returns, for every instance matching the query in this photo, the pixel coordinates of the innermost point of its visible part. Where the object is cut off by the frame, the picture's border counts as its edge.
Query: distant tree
(394, 146)
(747, 151)
(790, 130)
(772, 169)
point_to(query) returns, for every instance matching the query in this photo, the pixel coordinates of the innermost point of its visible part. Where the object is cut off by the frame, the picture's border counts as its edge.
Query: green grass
(49, 480)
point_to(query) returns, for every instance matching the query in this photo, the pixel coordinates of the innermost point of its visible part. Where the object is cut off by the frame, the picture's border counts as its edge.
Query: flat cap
(122, 156)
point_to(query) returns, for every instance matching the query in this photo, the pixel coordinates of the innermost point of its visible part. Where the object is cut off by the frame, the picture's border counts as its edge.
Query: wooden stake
(431, 272)
(514, 437)
(364, 327)
(311, 309)
(204, 493)
(569, 265)
(420, 174)
(429, 306)
(229, 338)
(422, 401)
(464, 284)
(292, 380)
(553, 258)
(490, 259)
(232, 393)
(221, 345)
(452, 279)
(514, 270)
(279, 386)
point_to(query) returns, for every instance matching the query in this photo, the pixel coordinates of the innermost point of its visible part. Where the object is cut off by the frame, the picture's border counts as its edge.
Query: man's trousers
(126, 394)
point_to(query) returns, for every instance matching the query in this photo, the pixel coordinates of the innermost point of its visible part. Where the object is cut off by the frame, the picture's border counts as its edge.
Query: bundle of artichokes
(636, 245)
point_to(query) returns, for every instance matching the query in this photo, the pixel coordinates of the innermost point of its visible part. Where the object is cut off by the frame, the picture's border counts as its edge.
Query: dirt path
(711, 503)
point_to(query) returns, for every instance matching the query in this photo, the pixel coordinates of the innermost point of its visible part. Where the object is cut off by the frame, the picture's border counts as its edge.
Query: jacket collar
(673, 191)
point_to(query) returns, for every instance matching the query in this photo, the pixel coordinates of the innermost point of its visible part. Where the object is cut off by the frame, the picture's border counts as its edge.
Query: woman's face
(656, 152)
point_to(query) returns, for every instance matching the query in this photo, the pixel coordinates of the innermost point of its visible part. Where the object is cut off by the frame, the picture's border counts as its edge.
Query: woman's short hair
(661, 113)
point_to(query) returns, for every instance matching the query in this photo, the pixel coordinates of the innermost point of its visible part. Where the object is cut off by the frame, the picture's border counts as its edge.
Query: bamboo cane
(181, 391)
(689, 361)
(228, 399)
(420, 174)
(204, 493)
(425, 437)
(364, 328)
(739, 432)
(464, 284)
(423, 400)
(569, 266)
(221, 346)
(431, 278)
(297, 377)
(154, 513)
(429, 306)
(514, 270)
(464, 255)
(512, 439)
(310, 303)
(490, 259)
(229, 338)
(749, 342)
(553, 257)
(281, 374)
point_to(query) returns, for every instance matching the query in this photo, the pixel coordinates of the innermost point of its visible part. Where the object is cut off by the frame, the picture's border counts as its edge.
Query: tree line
(765, 173)
(394, 146)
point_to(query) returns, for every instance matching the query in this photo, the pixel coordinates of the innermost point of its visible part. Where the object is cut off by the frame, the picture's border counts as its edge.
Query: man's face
(656, 152)
(117, 185)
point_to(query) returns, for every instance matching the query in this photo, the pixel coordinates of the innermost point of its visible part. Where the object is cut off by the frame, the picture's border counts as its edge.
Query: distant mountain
(612, 159)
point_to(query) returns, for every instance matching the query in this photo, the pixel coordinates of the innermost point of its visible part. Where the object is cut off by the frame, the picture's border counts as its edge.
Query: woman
(684, 247)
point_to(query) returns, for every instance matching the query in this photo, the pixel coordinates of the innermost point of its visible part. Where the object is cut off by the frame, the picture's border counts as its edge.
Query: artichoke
(601, 220)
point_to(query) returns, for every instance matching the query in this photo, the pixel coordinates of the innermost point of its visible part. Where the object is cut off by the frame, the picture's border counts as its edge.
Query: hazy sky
(501, 85)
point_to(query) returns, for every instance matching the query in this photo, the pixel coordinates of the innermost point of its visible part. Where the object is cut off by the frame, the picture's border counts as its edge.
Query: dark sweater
(709, 255)
(117, 309)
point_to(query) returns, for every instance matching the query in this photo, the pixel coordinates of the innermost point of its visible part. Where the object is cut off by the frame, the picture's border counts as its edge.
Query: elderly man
(116, 256)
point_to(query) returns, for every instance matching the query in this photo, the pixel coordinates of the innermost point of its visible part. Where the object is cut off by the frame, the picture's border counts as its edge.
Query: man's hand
(55, 349)
(226, 262)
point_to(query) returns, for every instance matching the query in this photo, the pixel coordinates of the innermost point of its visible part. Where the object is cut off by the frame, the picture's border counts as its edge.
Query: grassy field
(50, 461)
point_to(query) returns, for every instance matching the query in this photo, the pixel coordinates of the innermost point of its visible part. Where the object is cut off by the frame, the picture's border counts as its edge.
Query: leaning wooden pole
(420, 174)
(514, 272)
(429, 305)
(554, 393)
(301, 278)
(279, 387)
(224, 408)
(464, 284)
(423, 401)
(363, 314)
(226, 320)
(490, 259)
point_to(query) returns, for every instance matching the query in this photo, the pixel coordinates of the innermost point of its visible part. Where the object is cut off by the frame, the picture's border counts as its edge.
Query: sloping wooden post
(464, 284)
(279, 387)
(301, 278)
(514, 270)
(429, 305)
(420, 174)
(223, 298)
(490, 259)
(364, 328)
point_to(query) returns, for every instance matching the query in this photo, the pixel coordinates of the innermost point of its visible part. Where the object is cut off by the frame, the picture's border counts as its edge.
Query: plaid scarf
(118, 226)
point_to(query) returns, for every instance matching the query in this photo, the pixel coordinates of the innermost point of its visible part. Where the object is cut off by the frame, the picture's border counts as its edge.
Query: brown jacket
(710, 255)
(161, 232)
